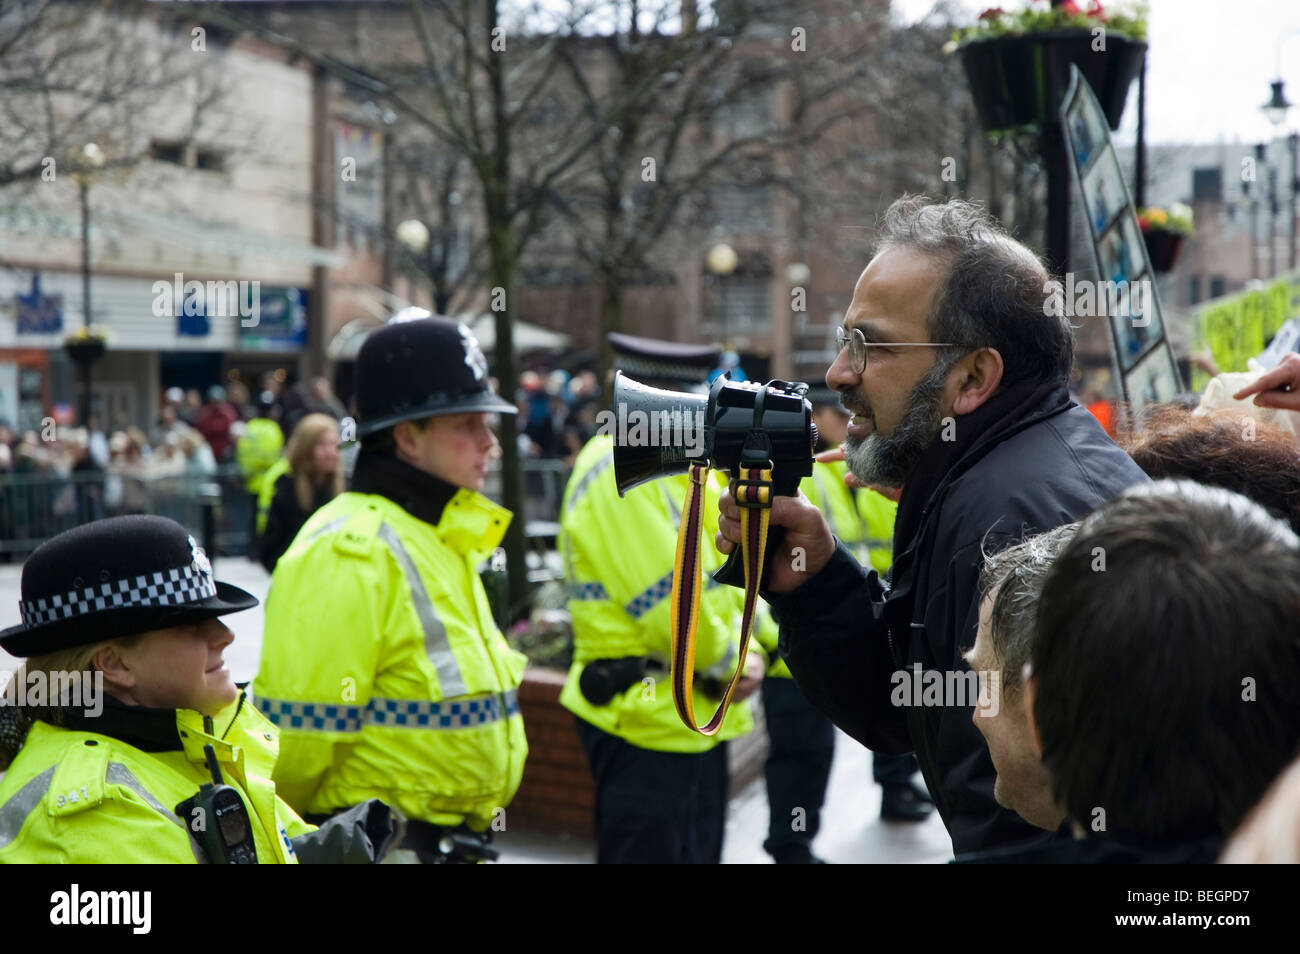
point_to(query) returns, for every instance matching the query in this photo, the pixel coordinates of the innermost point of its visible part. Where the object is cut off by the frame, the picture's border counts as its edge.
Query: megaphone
(658, 433)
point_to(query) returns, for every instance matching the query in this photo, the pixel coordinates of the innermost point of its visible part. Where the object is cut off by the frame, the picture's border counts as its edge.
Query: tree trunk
(611, 319)
(502, 271)
(504, 252)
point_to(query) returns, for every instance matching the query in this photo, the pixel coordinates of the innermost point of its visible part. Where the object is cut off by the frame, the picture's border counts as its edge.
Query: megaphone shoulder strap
(754, 495)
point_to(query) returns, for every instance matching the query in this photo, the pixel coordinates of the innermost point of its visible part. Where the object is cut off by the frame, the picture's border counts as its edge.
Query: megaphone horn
(656, 433)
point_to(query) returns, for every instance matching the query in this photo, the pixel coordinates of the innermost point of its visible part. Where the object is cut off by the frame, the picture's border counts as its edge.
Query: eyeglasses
(859, 346)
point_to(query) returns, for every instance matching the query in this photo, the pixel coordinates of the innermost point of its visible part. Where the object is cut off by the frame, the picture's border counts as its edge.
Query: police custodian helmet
(115, 577)
(412, 369)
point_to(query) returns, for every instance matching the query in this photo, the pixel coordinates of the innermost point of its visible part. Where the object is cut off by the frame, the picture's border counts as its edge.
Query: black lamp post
(1276, 110)
(85, 348)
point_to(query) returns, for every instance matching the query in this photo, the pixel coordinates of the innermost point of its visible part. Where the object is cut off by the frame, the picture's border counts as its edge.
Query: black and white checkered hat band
(175, 587)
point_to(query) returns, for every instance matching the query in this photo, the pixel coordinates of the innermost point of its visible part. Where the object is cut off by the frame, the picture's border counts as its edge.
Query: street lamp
(86, 349)
(1277, 105)
(721, 261)
(413, 234)
(1276, 110)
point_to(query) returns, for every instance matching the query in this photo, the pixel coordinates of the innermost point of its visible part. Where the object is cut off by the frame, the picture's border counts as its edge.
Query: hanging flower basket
(86, 346)
(1163, 248)
(1164, 231)
(1019, 80)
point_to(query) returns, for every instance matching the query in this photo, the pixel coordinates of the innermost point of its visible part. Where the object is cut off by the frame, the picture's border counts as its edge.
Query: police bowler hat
(115, 577)
(409, 370)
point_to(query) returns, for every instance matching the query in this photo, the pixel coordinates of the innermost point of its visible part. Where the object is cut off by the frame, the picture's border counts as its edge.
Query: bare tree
(683, 108)
(72, 73)
(469, 73)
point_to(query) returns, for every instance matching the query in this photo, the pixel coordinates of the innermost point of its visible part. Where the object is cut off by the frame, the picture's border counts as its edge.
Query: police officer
(257, 452)
(381, 663)
(108, 729)
(661, 788)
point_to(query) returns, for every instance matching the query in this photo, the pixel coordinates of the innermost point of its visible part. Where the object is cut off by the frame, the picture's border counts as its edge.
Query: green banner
(1238, 326)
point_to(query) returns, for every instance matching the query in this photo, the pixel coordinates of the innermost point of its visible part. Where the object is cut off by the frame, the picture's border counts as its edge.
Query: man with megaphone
(956, 376)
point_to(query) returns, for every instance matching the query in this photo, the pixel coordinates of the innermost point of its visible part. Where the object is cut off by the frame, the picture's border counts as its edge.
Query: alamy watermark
(1090, 299)
(679, 427)
(229, 299)
(978, 689)
(128, 908)
(65, 690)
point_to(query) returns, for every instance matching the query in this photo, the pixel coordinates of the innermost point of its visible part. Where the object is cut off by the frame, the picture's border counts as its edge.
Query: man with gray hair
(1012, 583)
(955, 371)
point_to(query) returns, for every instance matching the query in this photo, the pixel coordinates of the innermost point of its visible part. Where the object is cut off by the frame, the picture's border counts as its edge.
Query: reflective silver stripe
(15, 811)
(673, 509)
(585, 483)
(436, 645)
(119, 774)
(329, 527)
(723, 667)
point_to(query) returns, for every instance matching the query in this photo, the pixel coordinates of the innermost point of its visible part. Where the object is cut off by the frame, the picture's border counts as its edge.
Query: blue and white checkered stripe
(175, 587)
(650, 597)
(588, 591)
(413, 714)
(311, 715)
(449, 714)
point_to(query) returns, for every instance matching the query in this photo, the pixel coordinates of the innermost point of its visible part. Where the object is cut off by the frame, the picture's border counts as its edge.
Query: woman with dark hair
(313, 480)
(1224, 448)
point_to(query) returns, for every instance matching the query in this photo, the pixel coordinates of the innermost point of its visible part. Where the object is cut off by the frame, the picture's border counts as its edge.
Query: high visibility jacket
(619, 556)
(79, 797)
(862, 521)
(383, 668)
(257, 449)
(266, 490)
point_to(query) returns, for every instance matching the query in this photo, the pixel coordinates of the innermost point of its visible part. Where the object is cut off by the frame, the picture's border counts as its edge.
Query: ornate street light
(85, 348)
(1276, 107)
(721, 261)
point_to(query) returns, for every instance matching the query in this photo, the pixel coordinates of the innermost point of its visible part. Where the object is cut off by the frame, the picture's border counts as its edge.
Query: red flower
(992, 12)
(1070, 8)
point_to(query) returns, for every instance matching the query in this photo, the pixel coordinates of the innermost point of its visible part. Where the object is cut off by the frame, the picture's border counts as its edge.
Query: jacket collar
(420, 494)
(1015, 410)
(160, 730)
(465, 520)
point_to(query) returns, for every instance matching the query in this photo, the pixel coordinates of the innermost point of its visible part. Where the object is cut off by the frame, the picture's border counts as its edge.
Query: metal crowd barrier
(35, 506)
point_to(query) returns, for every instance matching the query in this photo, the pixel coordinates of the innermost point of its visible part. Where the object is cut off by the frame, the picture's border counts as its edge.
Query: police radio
(227, 835)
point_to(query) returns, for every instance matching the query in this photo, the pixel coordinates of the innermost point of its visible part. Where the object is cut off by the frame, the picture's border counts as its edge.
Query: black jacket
(1103, 850)
(846, 631)
(285, 518)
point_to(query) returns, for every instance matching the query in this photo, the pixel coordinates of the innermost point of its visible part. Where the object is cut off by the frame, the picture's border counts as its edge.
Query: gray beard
(889, 461)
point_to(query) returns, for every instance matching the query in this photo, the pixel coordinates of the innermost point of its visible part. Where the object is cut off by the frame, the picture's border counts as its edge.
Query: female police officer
(125, 709)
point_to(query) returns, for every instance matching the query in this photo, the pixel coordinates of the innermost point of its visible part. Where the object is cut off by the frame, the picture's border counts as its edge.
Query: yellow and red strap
(754, 495)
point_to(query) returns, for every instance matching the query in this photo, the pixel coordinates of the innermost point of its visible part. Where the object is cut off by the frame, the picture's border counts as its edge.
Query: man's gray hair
(994, 292)
(1019, 572)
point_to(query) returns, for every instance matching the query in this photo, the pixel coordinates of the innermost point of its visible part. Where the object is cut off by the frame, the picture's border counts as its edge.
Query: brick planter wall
(557, 795)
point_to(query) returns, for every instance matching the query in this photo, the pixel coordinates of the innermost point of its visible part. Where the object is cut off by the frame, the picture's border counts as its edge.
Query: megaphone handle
(732, 572)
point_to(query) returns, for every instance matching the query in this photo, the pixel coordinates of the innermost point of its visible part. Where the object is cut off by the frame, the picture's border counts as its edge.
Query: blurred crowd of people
(557, 413)
(65, 475)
